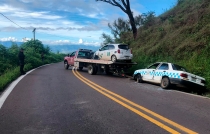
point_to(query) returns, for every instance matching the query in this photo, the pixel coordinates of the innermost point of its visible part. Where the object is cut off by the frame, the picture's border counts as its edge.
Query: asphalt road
(54, 100)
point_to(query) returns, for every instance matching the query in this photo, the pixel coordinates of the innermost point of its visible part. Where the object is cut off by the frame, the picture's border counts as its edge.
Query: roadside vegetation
(9, 62)
(181, 35)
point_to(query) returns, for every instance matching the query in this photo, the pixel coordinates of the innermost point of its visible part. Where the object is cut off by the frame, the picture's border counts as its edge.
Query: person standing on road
(21, 57)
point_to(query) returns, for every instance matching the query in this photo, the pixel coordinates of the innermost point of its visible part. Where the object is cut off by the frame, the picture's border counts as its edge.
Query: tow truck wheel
(66, 65)
(139, 78)
(165, 83)
(113, 58)
(80, 68)
(91, 69)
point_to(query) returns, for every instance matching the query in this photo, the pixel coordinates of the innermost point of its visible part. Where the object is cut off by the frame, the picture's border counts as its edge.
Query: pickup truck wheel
(113, 58)
(165, 83)
(91, 69)
(139, 78)
(66, 65)
(80, 68)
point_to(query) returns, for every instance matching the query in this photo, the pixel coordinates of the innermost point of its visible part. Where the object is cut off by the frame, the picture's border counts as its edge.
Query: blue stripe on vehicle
(169, 74)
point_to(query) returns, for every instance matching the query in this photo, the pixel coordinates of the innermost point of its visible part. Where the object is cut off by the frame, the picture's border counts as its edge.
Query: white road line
(204, 97)
(9, 89)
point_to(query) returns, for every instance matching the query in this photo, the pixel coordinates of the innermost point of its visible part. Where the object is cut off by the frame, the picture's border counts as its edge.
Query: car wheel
(80, 68)
(113, 58)
(66, 65)
(139, 78)
(165, 83)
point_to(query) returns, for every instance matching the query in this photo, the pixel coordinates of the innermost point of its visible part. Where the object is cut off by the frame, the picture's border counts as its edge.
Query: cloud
(7, 8)
(68, 42)
(21, 13)
(25, 39)
(8, 39)
(53, 19)
(25, 1)
(36, 15)
(55, 28)
(80, 41)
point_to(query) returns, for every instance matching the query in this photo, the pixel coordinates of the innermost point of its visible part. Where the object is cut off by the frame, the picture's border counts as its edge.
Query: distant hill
(9, 43)
(71, 48)
(57, 48)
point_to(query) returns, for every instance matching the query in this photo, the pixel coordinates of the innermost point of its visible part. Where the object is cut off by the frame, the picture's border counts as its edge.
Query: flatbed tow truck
(95, 65)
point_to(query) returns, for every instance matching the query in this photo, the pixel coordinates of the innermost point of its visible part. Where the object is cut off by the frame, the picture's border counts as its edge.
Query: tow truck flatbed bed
(105, 62)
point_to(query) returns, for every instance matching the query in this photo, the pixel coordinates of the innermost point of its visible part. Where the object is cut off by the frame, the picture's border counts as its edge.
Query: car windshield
(122, 46)
(154, 66)
(84, 54)
(178, 68)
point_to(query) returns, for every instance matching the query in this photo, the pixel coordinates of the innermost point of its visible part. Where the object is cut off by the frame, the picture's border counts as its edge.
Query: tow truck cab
(81, 53)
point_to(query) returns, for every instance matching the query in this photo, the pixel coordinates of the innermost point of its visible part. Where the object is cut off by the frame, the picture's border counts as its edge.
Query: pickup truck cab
(81, 53)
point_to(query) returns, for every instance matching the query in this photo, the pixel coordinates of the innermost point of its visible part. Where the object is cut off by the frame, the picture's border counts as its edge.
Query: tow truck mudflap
(78, 64)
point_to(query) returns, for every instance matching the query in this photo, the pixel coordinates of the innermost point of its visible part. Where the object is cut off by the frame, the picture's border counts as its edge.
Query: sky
(59, 22)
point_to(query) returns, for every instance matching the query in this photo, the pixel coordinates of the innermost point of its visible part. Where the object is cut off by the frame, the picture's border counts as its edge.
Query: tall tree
(107, 39)
(124, 5)
(119, 27)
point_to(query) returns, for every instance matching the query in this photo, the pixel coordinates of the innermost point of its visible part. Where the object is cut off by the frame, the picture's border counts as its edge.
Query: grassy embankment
(180, 35)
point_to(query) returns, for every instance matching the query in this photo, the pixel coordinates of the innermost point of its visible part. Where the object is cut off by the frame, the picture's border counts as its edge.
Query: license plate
(193, 79)
(127, 57)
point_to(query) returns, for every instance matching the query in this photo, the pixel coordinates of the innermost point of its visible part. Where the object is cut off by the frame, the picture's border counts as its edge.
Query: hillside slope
(180, 35)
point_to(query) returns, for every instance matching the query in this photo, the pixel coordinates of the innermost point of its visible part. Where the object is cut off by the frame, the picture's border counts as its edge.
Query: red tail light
(118, 50)
(183, 75)
(131, 51)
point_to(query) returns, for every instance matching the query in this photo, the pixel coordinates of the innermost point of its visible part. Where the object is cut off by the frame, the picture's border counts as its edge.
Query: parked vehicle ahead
(167, 74)
(86, 58)
(81, 53)
(115, 52)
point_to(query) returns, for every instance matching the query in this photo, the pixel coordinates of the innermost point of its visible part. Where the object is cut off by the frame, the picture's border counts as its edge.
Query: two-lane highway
(54, 100)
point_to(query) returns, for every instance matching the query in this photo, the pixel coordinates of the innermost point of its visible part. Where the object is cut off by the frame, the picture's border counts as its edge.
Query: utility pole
(34, 33)
(34, 38)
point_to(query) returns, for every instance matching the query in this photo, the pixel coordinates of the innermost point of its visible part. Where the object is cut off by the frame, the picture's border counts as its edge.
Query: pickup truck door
(72, 56)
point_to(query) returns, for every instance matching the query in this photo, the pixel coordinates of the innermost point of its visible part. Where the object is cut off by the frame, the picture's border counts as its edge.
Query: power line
(12, 21)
